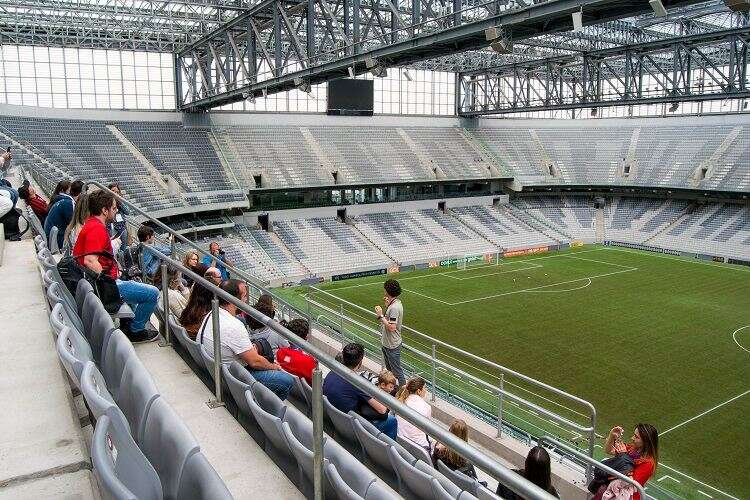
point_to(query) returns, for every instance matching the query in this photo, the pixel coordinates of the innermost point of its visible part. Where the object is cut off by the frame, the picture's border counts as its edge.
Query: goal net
(472, 260)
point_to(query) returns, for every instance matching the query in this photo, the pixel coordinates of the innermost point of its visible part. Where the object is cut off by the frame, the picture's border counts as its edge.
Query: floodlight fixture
(658, 8)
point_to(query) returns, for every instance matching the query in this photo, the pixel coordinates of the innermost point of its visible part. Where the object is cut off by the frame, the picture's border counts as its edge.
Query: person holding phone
(390, 329)
(5, 160)
(643, 449)
(217, 259)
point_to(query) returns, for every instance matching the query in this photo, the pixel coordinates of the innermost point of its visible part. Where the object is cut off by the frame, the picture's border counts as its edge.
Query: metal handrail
(594, 463)
(506, 476)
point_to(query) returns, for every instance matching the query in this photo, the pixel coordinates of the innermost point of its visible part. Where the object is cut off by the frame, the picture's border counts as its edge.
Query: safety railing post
(217, 352)
(165, 304)
(317, 414)
(341, 318)
(434, 369)
(500, 401)
(592, 441)
(2, 243)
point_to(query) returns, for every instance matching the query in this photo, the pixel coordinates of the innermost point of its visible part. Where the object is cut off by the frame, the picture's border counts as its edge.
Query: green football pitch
(645, 337)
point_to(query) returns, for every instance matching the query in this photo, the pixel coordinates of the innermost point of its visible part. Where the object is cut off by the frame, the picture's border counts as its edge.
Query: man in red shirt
(32, 199)
(292, 359)
(93, 249)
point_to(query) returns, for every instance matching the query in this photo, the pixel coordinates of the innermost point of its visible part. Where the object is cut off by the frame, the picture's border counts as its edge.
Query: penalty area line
(705, 412)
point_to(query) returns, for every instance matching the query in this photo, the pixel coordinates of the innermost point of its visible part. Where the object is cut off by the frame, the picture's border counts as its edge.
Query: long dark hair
(537, 468)
(199, 304)
(650, 438)
(62, 187)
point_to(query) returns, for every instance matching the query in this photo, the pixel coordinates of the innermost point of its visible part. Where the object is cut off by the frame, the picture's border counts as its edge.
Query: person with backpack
(292, 359)
(258, 330)
(61, 209)
(236, 344)
(9, 214)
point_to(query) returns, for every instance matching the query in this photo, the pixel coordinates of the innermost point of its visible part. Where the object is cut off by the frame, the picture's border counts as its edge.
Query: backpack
(10, 222)
(131, 263)
(264, 348)
(105, 287)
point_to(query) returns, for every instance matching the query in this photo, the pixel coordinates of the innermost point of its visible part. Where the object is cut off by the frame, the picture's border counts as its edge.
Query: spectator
(643, 449)
(536, 470)
(61, 210)
(387, 382)
(292, 359)
(449, 457)
(5, 159)
(390, 329)
(412, 395)
(62, 188)
(217, 259)
(198, 305)
(118, 228)
(80, 216)
(265, 306)
(178, 292)
(147, 240)
(345, 397)
(33, 200)
(6, 203)
(94, 239)
(237, 346)
(191, 261)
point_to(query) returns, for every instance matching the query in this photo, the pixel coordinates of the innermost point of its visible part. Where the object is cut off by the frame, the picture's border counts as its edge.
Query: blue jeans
(141, 298)
(389, 426)
(280, 382)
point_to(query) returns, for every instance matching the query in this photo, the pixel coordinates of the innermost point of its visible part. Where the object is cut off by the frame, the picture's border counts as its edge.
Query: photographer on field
(217, 259)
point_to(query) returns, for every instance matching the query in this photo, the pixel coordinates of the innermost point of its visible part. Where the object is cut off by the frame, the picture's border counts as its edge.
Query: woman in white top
(412, 394)
(178, 292)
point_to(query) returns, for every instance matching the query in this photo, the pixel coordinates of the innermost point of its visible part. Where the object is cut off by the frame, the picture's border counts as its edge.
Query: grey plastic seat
(375, 445)
(191, 345)
(123, 472)
(199, 481)
(74, 352)
(56, 295)
(60, 317)
(52, 240)
(276, 445)
(300, 442)
(208, 360)
(117, 352)
(298, 397)
(239, 381)
(82, 289)
(136, 396)
(414, 449)
(342, 424)
(484, 493)
(307, 389)
(460, 479)
(47, 278)
(268, 401)
(167, 444)
(352, 471)
(98, 398)
(417, 480)
(97, 325)
(343, 491)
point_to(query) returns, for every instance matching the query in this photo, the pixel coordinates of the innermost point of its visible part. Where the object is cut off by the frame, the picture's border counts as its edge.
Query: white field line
(687, 260)
(661, 464)
(588, 283)
(535, 288)
(597, 261)
(532, 266)
(704, 493)
(427, 296)
(665, 476)
(734, 336)
(705, 412)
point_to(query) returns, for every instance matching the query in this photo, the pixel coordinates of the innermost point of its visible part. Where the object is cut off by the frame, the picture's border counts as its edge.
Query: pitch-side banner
(525, 251)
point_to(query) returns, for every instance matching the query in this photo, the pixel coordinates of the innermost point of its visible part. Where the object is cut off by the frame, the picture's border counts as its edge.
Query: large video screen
(350, 97)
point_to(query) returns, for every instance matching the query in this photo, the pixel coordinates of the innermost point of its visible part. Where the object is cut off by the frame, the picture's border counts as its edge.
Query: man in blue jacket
(61, 212)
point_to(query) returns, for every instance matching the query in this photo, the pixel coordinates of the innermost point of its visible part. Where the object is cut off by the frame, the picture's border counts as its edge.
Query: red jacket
(296, 362)
(39, 206)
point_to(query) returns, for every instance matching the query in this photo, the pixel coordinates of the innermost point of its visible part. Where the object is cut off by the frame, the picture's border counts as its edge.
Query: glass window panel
(102, 101)
(45, 100)
(88, 100)
(127, 58)
(28, 85)
(58, 86)
(29, 100)
(59, 101)
(15, 99)
(128, 73)
(44, 85)
(84, 56)
(74, 100)
(87, 71)
(100, 56)
(87, 86)
(141, 73)
(72, 71)
(116, 101)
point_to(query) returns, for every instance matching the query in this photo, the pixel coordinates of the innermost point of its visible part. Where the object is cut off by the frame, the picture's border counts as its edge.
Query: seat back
(415, 484)
(458, 478)
(207, 359)
(117, 352)
(445, 483)
(300, 426)
(352, 471)
(342, 423)
(414, 449)
(98, 398)
(270, 423)
(304, 457)
(238, 380)
(59, 318)
(82, 289)
(52, 240)
(123, 472)
(200, 481)
(136, 396)
(376, 450)
(343, 491)
(298, 397)
(266, 399)
(47, 278)
(483, 493)
(191, 345)
(167, 444)
(56, 294)
(74, 352)
(97, 325)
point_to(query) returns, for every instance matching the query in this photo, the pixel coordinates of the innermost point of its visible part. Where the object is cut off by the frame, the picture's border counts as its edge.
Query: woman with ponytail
(412, 394)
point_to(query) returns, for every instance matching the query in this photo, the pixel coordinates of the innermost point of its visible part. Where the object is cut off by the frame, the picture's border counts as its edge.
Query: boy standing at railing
(390, 329)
